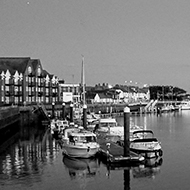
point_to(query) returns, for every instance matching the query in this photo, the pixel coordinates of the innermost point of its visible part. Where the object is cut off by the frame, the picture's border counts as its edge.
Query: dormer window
(39, 71)
(16, 77)
(2, 75)
(7, 77)
(29, 70)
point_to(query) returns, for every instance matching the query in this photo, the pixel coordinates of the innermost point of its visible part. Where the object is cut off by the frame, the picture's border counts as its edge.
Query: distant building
(23, 80)
(118, 94)
(69, 93)
(103, 98)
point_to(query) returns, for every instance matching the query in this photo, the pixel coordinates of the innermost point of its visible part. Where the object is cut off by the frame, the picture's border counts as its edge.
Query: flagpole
(83, 82)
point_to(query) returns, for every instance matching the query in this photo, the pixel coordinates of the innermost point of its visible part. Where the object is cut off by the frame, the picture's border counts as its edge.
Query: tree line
(167, 93)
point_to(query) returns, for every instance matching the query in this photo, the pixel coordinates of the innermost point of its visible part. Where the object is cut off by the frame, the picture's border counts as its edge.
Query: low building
(103, 98)
(69, 93)
(131, 94)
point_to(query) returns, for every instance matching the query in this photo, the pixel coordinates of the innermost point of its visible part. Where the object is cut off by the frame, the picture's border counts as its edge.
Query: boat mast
(83, 82)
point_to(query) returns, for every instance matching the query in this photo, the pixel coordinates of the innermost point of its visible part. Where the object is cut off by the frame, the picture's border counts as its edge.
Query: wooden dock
(113, 154)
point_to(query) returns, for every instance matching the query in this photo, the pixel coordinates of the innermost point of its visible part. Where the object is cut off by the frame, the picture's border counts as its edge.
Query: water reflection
(32, 151)
(81, 170)
(149, 170)
(36, 157)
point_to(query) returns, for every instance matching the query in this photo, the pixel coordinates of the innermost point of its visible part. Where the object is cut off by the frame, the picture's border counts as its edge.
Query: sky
(143, 41)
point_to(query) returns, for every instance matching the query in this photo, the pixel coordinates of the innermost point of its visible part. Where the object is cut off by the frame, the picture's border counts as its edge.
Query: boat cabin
(108, 122)
(80, 136)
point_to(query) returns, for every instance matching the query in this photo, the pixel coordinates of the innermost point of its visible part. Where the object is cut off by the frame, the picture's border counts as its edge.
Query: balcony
(40, 94)
(54, 85)
(9, 83)
(40, 76)
(8, 93)
(31, 75)
(41, 84)
(17, 93)
(54, 94)
(30, 84)
(18, 84)
(31, 93)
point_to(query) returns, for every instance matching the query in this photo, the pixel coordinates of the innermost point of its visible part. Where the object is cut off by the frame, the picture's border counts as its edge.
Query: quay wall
(28, 117)
(9, 123)
(8, 116)
(13, 119)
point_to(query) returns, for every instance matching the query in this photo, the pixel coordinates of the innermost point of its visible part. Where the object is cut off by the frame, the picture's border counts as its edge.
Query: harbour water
(35, 161)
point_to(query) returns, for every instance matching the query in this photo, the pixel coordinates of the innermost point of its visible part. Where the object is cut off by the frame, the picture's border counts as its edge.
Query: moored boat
(107, 124)
(57, 126)
(79, 143)
(144, 143)
(111, 129)
(185, 105)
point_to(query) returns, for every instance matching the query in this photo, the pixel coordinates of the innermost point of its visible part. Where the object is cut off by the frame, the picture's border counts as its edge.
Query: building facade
(70, 93)
(24, 81)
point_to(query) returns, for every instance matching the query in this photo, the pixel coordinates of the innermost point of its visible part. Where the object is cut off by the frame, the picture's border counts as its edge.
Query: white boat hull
(83, 151)
(148, 150)
(185, 105)
(185, 108)
(143, 142)
(148, 154)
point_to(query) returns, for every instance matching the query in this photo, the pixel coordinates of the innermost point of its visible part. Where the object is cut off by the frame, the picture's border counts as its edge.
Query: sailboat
(78, 142)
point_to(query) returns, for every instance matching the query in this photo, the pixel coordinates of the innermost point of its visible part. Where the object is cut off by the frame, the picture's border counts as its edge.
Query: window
(6, 81)
(7, 88)
(16, 100)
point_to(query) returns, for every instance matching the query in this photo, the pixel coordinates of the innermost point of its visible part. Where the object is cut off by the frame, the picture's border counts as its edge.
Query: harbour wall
(13, 120)
(9, 124)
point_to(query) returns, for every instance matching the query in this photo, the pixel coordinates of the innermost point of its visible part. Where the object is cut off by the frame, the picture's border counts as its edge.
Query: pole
(63, 111)
(71, 112)
(84, 116)
(126, 131)
(127, 179)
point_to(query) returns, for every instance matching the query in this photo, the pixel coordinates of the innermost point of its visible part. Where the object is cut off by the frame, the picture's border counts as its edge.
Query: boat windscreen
(88, 139)
(108, 124)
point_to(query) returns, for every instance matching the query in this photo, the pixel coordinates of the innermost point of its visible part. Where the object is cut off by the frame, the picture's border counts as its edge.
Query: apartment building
(24, 81)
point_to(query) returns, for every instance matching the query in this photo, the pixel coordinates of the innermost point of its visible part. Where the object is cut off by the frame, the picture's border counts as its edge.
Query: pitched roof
(19, 64)
(34, 63)
(104, 95)
(14, 64)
